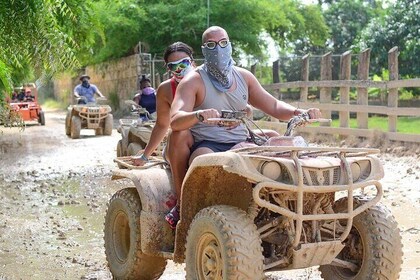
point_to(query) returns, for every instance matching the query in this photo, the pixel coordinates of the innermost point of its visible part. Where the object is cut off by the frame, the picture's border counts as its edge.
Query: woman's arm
(163, 108)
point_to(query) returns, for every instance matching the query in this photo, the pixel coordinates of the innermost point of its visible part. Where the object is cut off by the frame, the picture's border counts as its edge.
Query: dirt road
(54, 191)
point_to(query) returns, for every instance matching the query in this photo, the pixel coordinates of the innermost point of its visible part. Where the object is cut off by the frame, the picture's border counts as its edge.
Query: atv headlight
(355, 171)
(271, 169)
(360, 170)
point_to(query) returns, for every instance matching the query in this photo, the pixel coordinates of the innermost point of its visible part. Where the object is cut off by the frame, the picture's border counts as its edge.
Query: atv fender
(141, 132)
(214, 179)
(157, 196)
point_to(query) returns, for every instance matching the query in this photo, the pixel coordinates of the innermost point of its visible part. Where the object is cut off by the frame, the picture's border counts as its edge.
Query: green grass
(409, 125)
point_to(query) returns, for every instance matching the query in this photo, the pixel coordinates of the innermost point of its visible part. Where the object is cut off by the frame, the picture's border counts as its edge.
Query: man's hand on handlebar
(314, 113)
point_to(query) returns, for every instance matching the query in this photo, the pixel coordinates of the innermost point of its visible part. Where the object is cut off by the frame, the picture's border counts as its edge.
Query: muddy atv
(88, 116)
(28, 109)
(135, 132)
(279, 206)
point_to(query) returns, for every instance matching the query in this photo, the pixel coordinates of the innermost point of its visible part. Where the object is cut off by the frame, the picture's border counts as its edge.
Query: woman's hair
(177, 47)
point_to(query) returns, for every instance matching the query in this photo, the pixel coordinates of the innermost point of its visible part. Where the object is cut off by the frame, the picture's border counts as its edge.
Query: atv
(279, 205)
(135, 133)
(28, 108)
(89, 116)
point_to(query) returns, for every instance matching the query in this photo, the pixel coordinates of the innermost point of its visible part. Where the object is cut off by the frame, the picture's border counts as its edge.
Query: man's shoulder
(242, 70)
(192, 77)
(246, 74)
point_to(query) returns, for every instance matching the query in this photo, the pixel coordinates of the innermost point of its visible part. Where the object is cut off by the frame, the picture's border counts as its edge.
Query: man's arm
(98, 92)
(75, 92)
(261, 99)
(189, 92)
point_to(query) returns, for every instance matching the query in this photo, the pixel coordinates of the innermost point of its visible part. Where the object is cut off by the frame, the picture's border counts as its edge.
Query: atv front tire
(109, 121)
(134, 148)
(223, 243)
(67, 124)
(122, 236)
(120, 153)
(76, 126)
(374, 245)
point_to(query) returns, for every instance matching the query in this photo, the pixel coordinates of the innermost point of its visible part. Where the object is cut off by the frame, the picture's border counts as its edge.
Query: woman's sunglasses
(211, 45)
(179, 64)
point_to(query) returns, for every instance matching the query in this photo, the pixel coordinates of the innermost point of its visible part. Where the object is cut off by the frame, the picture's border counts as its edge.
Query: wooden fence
(362, 84)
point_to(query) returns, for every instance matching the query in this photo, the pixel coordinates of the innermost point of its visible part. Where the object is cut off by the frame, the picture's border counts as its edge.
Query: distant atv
(135, 133)
(282, 205)
(88, 116)
(28, 108)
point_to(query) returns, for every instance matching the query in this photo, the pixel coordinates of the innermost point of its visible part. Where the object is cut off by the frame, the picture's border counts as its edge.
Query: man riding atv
(85, 92)
(87, 114)
(217, 85)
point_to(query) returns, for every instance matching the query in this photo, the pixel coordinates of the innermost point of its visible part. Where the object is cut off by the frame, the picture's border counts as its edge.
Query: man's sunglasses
(179, 64)
(211, 45)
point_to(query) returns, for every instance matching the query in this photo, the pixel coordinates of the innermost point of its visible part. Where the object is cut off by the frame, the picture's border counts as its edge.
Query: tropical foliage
(158, 23)
(42, 37)
(400, 26)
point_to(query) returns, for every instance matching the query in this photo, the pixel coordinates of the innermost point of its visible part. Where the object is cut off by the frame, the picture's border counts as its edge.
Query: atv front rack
(127, 162)
(94, 114)
(296, 153)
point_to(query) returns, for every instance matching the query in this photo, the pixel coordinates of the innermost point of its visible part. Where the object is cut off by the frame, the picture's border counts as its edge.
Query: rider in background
(14, 96)
(29, 96)
(146, 97)
(21, 94)
(85, 92)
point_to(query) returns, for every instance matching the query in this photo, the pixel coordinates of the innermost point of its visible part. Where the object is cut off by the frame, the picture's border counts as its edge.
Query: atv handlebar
(230, 117)
(301, 120)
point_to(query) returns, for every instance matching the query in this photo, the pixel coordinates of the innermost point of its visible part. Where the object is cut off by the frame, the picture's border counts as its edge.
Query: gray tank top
(235, 101)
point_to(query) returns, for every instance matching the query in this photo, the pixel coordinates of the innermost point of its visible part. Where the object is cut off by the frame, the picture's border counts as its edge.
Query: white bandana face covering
(180, 68)
(218, 64)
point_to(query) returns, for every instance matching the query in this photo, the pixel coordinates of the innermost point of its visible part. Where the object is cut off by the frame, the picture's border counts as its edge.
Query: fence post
(393, 92)
(304, 78)
(276, 79)
(362, 93)
(276, 72)
(152, 74)
(325, 92)
(345, 73)
(253, 68)
(157, 79)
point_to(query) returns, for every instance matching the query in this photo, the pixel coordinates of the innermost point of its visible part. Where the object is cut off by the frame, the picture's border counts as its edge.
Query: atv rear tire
(223, 243)
(109, 121)
(76, 126)
(41, 118)
(133, 149)
(122, 234)
(67, 124)
(374, 244)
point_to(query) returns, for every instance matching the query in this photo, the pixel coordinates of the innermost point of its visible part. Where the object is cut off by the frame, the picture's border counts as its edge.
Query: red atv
(25, 104)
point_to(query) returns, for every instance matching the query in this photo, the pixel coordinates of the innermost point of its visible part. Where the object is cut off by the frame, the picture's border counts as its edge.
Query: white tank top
(214, 99)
